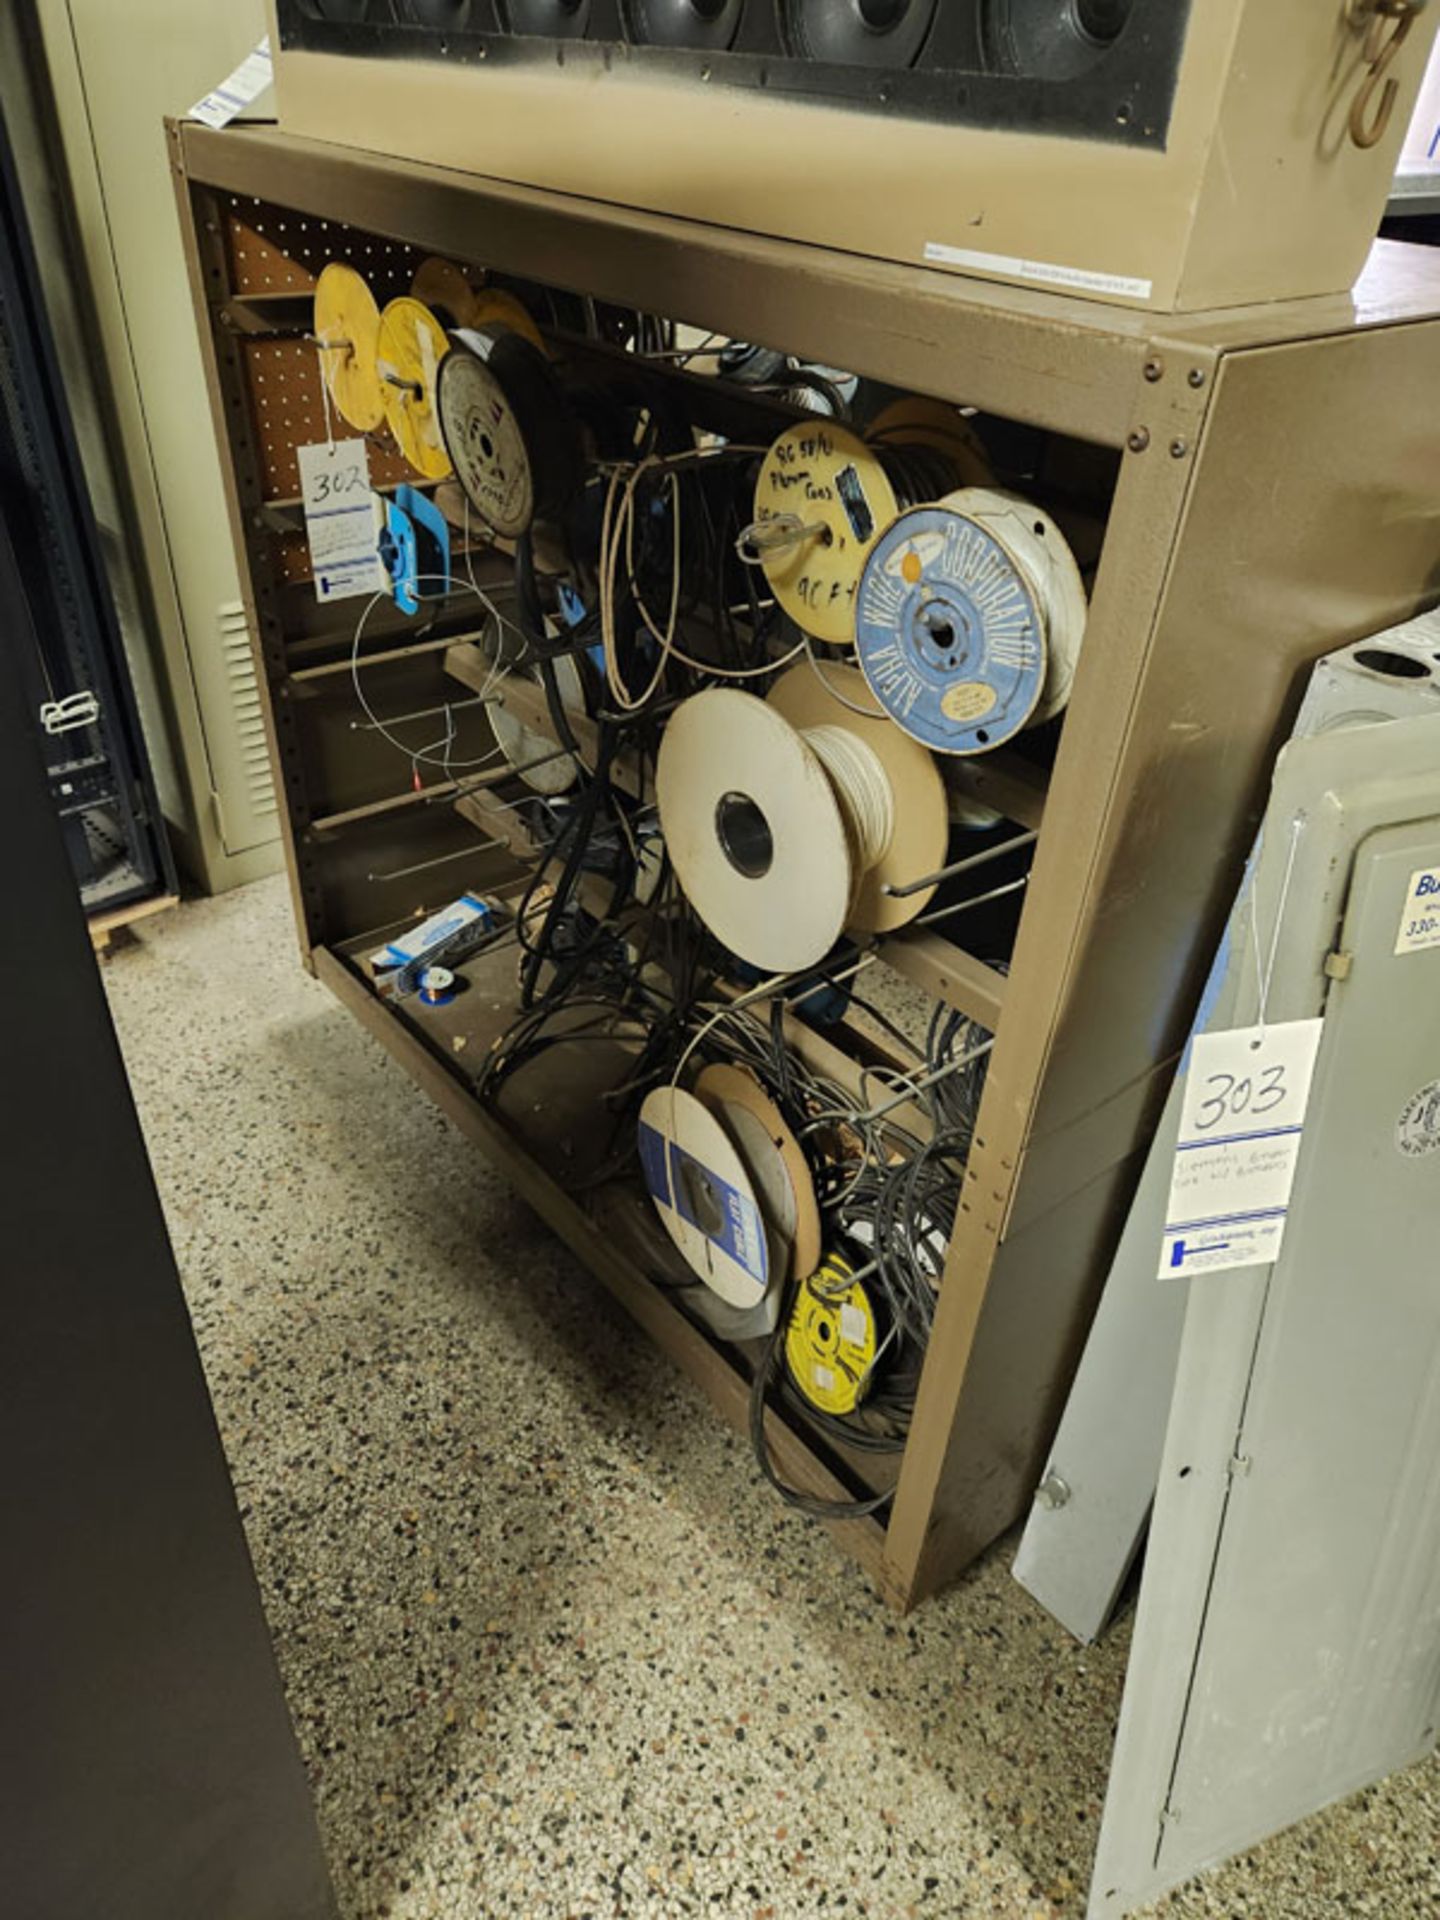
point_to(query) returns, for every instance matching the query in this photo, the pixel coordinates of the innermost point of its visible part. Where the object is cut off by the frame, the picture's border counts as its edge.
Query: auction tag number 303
(1243, 1117)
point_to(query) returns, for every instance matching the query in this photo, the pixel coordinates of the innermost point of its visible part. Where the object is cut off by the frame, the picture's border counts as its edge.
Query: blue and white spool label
(949, 633)
(729, 1220)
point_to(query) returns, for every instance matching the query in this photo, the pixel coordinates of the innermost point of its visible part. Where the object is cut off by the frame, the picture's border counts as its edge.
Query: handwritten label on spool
(949, 633)
(832, 489)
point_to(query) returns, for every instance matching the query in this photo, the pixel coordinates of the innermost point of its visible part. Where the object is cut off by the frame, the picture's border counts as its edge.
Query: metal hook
(1386, 25)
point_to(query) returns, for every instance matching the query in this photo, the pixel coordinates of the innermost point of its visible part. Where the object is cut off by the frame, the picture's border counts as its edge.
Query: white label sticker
(244, 87)
(1046, 272)
(341, 519)
(1420, 920)
(1417, 1131)
(1240, 1131)
(853, 1326)
(823, 1377)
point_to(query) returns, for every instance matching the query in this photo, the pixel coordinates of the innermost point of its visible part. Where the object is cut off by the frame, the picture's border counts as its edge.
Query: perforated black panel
(1092, 69)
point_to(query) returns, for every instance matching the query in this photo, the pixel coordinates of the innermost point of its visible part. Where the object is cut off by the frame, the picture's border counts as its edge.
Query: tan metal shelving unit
(1274, 494)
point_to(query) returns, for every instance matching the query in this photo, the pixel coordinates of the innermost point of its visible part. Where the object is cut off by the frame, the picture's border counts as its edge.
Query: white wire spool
(787, 819)
(704, 1196)
(546, 770)
(1044, 552)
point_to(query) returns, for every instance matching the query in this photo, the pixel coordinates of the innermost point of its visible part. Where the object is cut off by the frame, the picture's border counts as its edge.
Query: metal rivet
(1052, 1493)
(1154, 369)
(1139, 440)
(1196, 376)
(1179, 449)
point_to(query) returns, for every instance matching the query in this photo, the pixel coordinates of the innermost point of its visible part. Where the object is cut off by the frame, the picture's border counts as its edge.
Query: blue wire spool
(949, 633)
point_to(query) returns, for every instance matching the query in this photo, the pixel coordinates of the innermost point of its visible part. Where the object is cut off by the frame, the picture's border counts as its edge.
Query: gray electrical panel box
(1285, 1418)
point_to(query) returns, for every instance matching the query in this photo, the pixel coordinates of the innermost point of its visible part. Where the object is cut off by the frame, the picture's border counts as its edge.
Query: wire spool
(412, 348)
(920, 421)
(347, 331)
(439, 986)
(918, 818)
(507, 428)
(786, 819)
(521, 746)
(951, 632)
(833, 1339)
(1045, 554)
(704, 1196)
(822, 498)
(495, 311)
(773, 1155)
(446, 290)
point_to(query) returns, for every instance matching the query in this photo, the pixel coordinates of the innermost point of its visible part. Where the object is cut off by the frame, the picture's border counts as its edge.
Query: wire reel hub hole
(744, 834)
(702, 1201)
(944, 632)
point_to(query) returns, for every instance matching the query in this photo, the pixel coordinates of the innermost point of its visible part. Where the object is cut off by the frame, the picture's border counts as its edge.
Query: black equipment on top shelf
(68, 641)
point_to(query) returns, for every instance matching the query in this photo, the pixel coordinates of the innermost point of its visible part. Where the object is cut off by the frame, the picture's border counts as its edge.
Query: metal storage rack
(1270, 476)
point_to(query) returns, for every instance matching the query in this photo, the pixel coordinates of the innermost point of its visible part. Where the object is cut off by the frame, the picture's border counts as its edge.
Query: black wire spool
(918, 474)
(683, 23)
(551, 19)
(857, 33)
(1051, 39)
(510, 433)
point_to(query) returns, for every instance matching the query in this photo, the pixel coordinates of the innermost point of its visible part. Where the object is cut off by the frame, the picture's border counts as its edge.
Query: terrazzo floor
(551, 1648)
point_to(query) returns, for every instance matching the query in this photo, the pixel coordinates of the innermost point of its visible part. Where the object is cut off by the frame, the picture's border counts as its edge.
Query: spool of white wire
(787, 819)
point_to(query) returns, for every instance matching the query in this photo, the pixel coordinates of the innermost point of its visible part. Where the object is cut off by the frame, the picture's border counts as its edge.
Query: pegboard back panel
(275, 250)
(288, 409)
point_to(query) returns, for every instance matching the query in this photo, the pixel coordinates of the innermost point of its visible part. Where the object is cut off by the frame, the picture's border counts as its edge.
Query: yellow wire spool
(494, 307)
(347, 331)
(822, 499)
(446, 289)
(832, 1339)
(412, 345)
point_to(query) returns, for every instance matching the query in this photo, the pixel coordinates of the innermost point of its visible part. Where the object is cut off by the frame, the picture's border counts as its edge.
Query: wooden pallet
(104, 926)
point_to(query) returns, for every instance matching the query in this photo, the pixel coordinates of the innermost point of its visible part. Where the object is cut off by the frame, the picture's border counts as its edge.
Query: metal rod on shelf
(979, 900)
(928, 1080)
(493, 779)
(423, 866)
(963, 866)
(424, 713)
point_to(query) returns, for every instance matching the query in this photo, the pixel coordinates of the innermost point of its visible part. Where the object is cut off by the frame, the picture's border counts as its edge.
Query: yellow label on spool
(969, 700)
(830, 1344)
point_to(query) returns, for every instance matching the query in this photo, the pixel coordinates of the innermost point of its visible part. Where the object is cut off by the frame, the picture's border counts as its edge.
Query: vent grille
(244, 696)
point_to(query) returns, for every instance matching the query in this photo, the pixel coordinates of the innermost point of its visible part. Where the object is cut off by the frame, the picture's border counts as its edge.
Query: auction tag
(1240, 1129)
(243, 88)
(1420, 919)
(341, 521)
